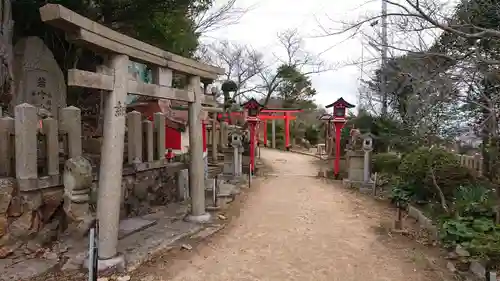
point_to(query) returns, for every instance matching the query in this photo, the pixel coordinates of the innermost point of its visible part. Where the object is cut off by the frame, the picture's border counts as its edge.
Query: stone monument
(358, 163)
(38, 80)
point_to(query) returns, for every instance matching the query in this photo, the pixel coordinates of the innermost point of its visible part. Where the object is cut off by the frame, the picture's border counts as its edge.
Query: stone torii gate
(113, 78)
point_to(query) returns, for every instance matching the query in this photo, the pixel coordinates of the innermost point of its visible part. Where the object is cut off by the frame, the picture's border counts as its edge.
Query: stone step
(132, 225)
(225, 189)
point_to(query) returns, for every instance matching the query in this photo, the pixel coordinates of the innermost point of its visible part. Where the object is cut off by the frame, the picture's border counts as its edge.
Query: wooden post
(110, 178)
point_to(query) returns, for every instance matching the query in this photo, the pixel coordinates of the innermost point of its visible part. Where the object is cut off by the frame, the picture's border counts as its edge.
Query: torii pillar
(287, 131)
(264, 128)
(273, 133)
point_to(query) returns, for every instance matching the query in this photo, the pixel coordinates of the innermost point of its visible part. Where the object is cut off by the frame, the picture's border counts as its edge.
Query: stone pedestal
(366, 166)
(356, 172)
(228, 161)
(240, 161)
(356, 164)
(235, 161)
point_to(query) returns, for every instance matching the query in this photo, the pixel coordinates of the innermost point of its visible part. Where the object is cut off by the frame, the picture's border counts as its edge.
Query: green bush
(415, 172)
(479, 235)
(312, 135)
(476, 201)
(386, 163)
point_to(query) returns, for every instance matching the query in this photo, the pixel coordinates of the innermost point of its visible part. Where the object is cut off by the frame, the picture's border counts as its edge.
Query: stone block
(128, 183)
(413, 212)
(132, 225)
(143, 182)
(15, 207)
(183, 184)
(6, 190)
(36, 223)
(4, 240)
(51, 199)
(140, 190)
(9, 248)
(477, 269)
(21, 226)
(31, 200)
(76, 211)
(4, 224)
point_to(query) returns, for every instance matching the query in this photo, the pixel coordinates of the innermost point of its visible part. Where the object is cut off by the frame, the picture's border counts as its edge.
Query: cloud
(260, 26)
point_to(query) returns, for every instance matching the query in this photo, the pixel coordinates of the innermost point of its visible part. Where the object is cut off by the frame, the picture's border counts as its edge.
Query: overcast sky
(266, 18)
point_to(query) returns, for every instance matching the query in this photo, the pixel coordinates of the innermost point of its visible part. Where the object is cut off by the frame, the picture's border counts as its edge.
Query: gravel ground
(294, 226)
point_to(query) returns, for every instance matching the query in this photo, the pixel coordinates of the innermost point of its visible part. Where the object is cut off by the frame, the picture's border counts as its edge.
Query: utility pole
(360, 99)
(383, 77)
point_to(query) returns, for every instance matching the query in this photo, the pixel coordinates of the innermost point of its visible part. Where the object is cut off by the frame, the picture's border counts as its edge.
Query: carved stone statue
(77, 179)
(355, 143)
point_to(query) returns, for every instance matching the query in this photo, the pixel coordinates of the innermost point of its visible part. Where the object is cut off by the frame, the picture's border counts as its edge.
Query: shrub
(474, 201)
(386, 163)
(312, 134)
(423, 168)
(480, 236)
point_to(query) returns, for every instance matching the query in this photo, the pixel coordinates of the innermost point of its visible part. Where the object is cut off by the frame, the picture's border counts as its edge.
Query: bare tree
(459, 42)
(294, 56)
(218, 17)
(449, 36)
(242, 63)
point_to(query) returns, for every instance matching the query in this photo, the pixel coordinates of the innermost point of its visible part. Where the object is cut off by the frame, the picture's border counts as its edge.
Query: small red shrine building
(176, 129)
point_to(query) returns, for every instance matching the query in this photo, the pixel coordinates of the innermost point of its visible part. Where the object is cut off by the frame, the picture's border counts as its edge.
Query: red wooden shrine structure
(338, 119)
(174, 127)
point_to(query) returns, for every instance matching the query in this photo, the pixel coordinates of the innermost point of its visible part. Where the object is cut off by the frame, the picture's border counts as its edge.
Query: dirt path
(297, 227)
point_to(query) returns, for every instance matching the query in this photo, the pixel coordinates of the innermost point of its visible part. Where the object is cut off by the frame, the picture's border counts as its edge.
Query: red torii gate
(269, 114)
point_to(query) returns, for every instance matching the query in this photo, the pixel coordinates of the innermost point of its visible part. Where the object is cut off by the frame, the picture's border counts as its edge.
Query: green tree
(169, 25)
(295, 86)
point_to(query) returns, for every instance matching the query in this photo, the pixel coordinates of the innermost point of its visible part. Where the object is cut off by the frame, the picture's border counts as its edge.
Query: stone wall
(29, 215)
(147, 189)
(31, 219)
